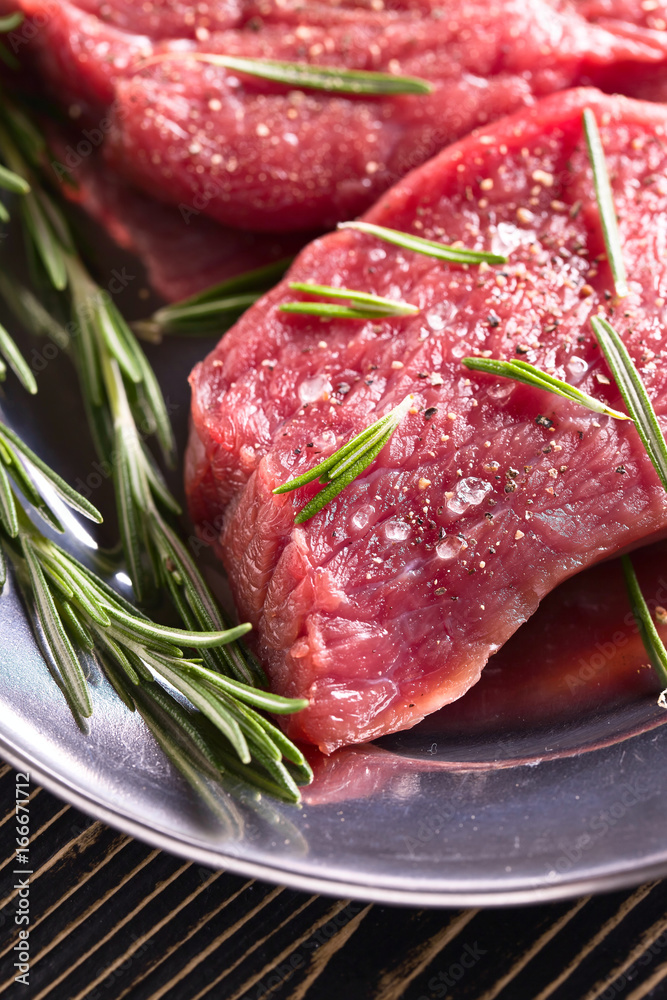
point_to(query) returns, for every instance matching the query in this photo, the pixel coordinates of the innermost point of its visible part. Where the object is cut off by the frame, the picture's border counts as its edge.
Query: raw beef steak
(255, 154)
(388, 603)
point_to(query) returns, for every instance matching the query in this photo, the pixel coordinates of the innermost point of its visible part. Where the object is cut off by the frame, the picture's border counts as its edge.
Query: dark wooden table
(112, 918)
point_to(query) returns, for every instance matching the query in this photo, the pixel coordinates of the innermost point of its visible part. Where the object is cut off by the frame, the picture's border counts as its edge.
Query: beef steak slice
(254, 154)
(388, 603)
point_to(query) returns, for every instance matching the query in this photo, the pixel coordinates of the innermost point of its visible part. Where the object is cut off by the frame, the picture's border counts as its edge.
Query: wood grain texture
(113, 919)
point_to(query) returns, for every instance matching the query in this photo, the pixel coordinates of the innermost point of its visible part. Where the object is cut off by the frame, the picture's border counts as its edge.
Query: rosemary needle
(653, 644)
(456, 255)
(215, 308)
(74, 613)
(73, 610)
(364, 305)
(634, 394)
(521, 371)
(331, 79)
(342, 468)
(605, 200)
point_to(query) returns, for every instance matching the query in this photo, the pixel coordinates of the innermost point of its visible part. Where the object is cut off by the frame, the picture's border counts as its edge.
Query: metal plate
(550, 789)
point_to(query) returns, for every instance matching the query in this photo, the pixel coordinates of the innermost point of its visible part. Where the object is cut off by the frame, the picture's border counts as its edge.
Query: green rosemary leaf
(634, 394)
(131, 534)
(118, 653)
(3, 569)
(30, 311)
(213, 307)
(280, 774)
(257, 778)
(197, 769)
(74, 625)
(56, 636)
(10, 22)
(202, 604)
(50, 517)
(374, 304)
(140, 408)
(88, 360)
(330, 311)
(158, 486)
(63, 489)
(45, 241)
(140, 668)
(336, 486)
(605, 199)
(257, 737)
(114, 339)
(384, 428)
(343, 467)
(13, 182)
(208, 704)
(306, 77)
(56, 219)
(350, 452)
(251, 695)
(178, 637)
(289, 750)
(4, 214)
(17, 362)
(8, 514)
(19, 475)
(226, 659)
(153, 394)
(180, 724)
(649, 634)
(85, 595)
(24, 135)
(158, 408)
(456, 255)
(180, 759)
(521, 371)
(60, 581)
(117, 679)
(257, 280)
(190, 318)
(99, 592)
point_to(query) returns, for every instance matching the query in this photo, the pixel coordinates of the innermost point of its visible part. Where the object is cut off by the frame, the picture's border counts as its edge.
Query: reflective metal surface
(547, 780)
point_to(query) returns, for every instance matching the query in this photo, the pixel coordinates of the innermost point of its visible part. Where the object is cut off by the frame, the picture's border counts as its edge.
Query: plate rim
(569, 888)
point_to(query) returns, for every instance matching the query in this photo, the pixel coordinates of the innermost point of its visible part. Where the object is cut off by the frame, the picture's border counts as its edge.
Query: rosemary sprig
(331, 79)
(521, 371)
(653, 644)
(342, 468)
(215, 308)
(13, 182)
(75, 614)
(366, 306)
(124, 405)
(605, 200)
(456, 255)
(634, 394)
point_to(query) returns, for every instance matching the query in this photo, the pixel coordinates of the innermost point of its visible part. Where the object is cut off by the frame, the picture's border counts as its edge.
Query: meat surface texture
(255, 154)
(180, 259)
(387, 604)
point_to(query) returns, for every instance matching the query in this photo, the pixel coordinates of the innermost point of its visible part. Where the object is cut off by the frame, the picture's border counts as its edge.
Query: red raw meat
(252, 153)
(592, 661)
(387, 604)
(182, 256)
